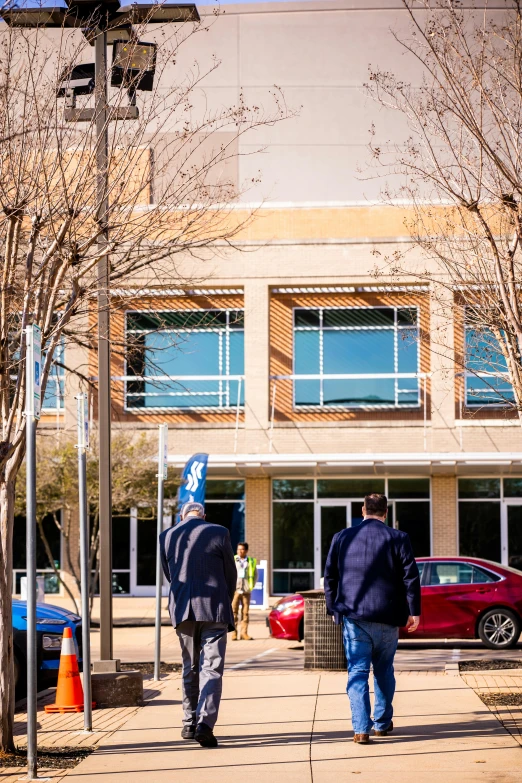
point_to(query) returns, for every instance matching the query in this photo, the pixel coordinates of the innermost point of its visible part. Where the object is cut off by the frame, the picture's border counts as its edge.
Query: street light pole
(104, 358)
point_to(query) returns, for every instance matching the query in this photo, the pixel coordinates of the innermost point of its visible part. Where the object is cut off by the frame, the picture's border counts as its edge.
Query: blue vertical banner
(193, 481)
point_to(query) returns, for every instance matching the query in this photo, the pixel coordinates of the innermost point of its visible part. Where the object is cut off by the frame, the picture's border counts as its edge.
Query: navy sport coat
(198, 562)
(371, 574)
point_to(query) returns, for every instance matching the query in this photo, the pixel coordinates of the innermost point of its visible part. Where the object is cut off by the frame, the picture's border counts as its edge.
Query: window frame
(451, 561)
(223, 380)
(318, 501)
(321, 376)
(482, 375)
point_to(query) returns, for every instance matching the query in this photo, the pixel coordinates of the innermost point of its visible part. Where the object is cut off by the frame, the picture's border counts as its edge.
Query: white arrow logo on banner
(195, 476)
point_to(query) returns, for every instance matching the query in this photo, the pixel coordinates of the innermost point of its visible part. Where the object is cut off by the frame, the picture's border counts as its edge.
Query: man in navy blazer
(198, 562)
(372, 585)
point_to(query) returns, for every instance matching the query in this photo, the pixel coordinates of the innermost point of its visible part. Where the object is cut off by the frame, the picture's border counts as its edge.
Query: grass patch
(47, 758)
(489, 664)
(502, 699)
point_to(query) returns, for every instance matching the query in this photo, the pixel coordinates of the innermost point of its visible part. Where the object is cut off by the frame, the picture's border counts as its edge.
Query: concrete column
(257, 502)
(257, 417)
(442, 364)
(444, 514)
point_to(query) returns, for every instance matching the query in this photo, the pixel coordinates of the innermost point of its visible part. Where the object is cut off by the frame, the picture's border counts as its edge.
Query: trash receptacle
(323, 641)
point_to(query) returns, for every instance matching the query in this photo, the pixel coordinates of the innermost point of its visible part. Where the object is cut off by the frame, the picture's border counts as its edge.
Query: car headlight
(51, 641)
(284, 606)
(49, 621)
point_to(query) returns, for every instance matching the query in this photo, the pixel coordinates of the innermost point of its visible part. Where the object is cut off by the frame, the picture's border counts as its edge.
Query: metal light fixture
(80, 81)
(133, 64)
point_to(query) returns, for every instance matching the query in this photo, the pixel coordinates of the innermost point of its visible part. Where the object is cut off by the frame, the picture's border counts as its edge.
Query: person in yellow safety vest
(246, 581)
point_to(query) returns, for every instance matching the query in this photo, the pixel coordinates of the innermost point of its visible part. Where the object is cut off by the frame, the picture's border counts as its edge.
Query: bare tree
(164, 206)
(461, 169)
(134, 470)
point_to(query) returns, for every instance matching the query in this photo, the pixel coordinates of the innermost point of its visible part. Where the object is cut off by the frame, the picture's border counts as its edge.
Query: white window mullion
(396, 356)
(321, 362)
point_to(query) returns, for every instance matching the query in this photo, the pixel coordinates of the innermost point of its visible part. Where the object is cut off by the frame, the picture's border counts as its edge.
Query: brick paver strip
(498, 681)
(58, 731)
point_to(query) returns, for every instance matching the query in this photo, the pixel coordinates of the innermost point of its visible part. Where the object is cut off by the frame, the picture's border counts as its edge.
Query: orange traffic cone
(69, 693)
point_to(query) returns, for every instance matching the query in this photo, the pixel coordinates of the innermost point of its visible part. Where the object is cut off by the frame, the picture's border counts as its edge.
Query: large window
(52, 534)
(490, 519)
(184, 359)
(356, 357)
(306, 514)
(487, 377)
(225, 505)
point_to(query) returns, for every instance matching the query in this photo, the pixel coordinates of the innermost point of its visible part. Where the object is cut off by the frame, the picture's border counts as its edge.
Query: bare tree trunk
(7, 496)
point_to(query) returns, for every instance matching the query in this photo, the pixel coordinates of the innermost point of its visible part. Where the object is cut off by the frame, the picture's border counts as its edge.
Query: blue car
(50, 623)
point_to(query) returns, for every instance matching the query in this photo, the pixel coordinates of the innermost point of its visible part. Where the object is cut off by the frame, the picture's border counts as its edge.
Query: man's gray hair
(192, 509)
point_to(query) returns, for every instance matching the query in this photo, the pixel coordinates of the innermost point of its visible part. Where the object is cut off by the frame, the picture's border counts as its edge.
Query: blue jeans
(367, 643)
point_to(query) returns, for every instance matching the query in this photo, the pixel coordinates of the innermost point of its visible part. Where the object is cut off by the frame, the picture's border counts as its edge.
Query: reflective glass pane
(224, 489)
(307, 392)
(450, 574)
(306, 317)
(306, 353)
(358, 351)
(359, 316)
(479, 530)
(481, 577)
(515, 537)
(414, 519)
(349, 488)
(488, 391)
(333, 519)
(409, 488)
(359, 392)
(357, 515)
(479, 488)
(231, 516)
(177, 319)
(293, 582)
(237, 353)
(408, 351)
(120, 583)
(121, 540)
(293, 535)
(285, 489)
(513, 488)
(482, 352)
(193, 354)
(407, 316)
(146, 546)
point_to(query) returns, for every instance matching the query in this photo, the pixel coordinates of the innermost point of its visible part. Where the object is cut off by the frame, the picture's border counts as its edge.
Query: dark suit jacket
(371, 574)
(198, 562)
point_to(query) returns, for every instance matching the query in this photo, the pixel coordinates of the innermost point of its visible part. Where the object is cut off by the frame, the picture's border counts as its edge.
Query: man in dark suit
(198, 561)
(372, 585)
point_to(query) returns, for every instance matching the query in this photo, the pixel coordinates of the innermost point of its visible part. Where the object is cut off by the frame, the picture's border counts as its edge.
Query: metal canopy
(346, 465)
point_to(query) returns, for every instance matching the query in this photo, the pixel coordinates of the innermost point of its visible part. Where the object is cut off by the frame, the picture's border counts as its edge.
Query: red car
(462, 598)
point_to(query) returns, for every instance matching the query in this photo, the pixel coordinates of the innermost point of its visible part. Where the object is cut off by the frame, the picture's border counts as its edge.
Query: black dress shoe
(188, 732)
(205, 736)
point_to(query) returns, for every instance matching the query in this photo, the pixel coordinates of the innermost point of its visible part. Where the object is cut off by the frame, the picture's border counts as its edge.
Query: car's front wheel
(499, 628)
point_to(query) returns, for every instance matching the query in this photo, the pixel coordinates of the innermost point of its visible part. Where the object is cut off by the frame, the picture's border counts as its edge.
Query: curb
(452, 669)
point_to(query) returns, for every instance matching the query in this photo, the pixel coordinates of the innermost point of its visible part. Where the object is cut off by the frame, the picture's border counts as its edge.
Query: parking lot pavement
(137, 644)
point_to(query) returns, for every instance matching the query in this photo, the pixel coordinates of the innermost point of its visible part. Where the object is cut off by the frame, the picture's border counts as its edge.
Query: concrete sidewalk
(277, 726)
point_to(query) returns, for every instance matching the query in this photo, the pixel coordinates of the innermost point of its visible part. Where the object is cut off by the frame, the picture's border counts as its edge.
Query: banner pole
(161, 475)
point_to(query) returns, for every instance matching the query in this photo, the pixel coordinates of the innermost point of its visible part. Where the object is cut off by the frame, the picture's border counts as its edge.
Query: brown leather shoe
(384, 732)
(245, 637)
(361, 739)
(234, 636)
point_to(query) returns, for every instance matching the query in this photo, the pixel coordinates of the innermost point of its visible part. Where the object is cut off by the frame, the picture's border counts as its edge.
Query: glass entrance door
(330, 520)
(143, 552)
(514, 536)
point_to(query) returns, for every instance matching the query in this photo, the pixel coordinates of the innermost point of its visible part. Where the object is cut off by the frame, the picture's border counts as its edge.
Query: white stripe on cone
(68, 646)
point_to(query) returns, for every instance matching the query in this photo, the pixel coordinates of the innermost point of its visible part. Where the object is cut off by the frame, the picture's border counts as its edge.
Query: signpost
(82, 446)
(162, 476)
(33, 370)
